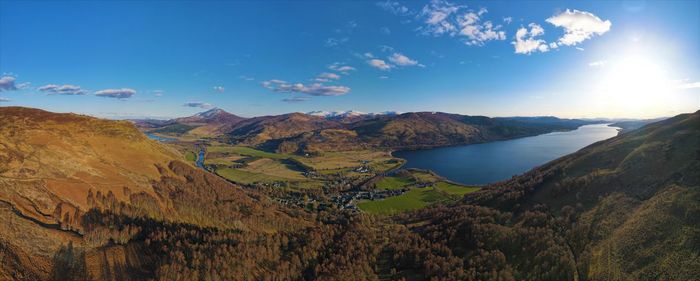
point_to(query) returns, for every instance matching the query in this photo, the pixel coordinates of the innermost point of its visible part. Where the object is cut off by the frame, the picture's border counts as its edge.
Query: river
(494, 161)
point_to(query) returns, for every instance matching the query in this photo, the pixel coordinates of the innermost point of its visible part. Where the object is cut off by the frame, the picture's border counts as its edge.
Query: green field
(190, 156)
(377, 160)
(246, 177)
(390, 183)
(247, 165)
(425, 176)
(177, 129)
(454, 189)
(247, 151)
(414, 199)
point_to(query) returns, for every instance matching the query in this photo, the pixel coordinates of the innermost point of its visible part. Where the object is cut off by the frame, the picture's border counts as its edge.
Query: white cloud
(315, 89)
(62, 89)
(327, 75)
(158, 93)
(202, 105)
(219, 89)
(368, 55)
(686, 86)
(385, 30)
(344, 69)
(394, 7)
(5, 99)
(578, 26)
(599, 63)
(442, 17)
(508, 20)
(7, 83)
(525, 41)
(383, 77)
(246, 78)
(476, 32)
(379, 64)
(22, 86)
(122, 93)
(437, 17)
(402, 60)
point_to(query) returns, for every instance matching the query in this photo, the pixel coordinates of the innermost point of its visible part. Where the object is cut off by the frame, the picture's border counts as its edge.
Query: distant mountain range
(348, 130)
(350, 115)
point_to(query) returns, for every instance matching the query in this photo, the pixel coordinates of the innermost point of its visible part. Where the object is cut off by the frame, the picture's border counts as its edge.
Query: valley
(343, 167)
(382, 140)
(103, 201)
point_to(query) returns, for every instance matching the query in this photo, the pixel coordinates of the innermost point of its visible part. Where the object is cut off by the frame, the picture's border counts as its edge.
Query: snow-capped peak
(347, 113)
(211, 113)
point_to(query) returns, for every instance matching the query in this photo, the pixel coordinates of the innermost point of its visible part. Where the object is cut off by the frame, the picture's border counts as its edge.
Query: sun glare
(634, 86)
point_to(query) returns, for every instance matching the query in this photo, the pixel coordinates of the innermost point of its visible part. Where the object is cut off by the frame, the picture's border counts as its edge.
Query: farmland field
(390, 183)
(414, 199)
(246, 177)
(247, 151)
(338, 160)
(454, 189)
(274, 168)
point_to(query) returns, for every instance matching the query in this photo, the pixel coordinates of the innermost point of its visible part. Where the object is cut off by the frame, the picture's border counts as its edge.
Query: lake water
(491, 162)
(159, 138)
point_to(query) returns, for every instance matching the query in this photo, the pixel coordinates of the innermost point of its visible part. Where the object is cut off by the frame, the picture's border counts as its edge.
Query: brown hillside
(61, 174)
(260, 129)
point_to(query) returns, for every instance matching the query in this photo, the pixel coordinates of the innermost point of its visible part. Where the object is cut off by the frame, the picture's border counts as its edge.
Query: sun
(634, 86)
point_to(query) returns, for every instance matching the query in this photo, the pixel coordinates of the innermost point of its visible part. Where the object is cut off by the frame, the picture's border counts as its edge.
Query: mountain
(88, 199)
(212, 122)
(625, 208)
(212, 116)
(84, 198)
(416, 130)
(257, 130)
(350, 115)
(347, 130)
(551, 120)
(629, 125)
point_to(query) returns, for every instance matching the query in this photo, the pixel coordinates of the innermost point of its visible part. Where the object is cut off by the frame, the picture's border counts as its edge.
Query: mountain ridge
(324, 131)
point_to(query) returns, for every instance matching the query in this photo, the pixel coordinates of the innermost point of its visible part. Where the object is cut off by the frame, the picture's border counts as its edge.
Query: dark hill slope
(626, 208)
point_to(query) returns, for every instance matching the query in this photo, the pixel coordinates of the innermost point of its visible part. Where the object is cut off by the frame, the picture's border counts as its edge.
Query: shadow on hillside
(69, 264)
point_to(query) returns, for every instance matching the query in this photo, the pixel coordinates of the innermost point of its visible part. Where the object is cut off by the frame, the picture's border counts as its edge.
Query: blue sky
(174, 58)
